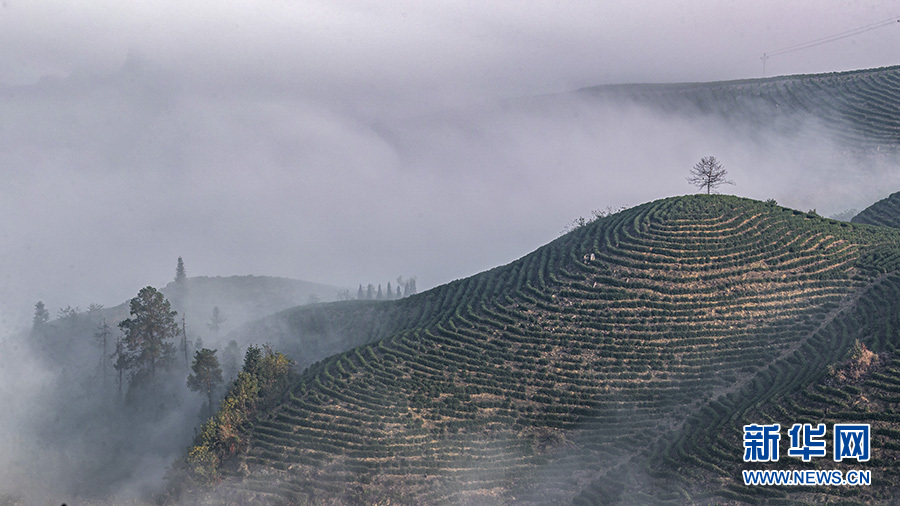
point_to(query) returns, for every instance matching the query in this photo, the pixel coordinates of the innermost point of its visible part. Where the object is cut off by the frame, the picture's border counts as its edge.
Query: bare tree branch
(709, 173)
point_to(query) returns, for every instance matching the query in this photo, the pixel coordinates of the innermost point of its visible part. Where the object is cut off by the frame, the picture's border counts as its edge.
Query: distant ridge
(613, 365)
(860, 108)
(885, 212)
(240, 299)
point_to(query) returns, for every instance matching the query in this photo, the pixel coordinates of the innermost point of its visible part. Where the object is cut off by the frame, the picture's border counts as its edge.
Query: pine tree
(180, 275)
(206, 376)
(215, 322)
(102, 336)
(184, 340)
(389, 294)
(230, 360)
(40, 320)
(379, 296)
(360, 295)
(121, 363)
(149, 333)
(68, 314)
(410, 287)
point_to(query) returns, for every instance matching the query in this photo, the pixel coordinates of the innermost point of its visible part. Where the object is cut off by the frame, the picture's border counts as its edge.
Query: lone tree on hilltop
(710, 173)
(41, 320)
(180, 275)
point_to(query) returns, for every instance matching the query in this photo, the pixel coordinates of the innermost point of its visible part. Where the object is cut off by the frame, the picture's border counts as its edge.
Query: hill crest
(857, 108)
(885, 212)
(536, 379)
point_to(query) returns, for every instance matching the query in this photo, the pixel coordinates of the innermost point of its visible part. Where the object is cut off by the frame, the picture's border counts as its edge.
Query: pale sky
(349, 142)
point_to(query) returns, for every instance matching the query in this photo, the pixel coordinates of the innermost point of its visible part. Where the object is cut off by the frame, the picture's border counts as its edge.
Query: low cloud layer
(355, 142)
(115, 176)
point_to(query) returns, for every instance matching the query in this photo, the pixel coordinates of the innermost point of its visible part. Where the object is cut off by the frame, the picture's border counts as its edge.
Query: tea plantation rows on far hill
(885, 212)
(856, 108)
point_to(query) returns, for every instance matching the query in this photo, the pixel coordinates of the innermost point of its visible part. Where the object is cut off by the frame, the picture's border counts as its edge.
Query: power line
(826, 40)
(837, 36)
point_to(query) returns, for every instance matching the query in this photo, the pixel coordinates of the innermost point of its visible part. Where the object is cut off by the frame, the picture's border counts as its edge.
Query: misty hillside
(240, 299)
(860, 108)
(310, 333)
(70, 338)
(591, 370)
(885, 212)
(607, 360)
(86, 427)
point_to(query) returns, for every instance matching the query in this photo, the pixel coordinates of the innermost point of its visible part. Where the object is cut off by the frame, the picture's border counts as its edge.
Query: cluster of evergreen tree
(264, 380)
(145, 347)
(153, 377)
(370, 292)
(56, 341)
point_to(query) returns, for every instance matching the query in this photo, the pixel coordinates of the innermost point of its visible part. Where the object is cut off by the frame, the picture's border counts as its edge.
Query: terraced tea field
(638, 342)
(859, 108)
(704, 461)
(885, 212)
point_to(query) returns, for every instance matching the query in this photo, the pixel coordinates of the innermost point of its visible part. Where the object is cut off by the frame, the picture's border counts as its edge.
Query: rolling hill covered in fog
(651, 353)
(858, 108)
(616, 363)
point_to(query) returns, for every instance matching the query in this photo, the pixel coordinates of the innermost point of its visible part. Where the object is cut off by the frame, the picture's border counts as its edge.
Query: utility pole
(184, 346)
(764, 57)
